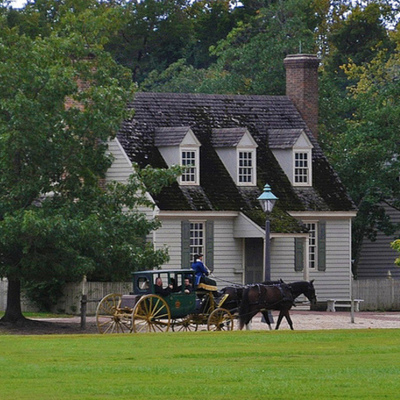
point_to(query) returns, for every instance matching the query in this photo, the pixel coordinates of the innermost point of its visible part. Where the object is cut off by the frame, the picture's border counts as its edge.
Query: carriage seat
(209, 288)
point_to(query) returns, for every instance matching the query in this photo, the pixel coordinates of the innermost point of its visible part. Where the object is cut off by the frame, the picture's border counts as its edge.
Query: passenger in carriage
(201, 271)
(158, 288)
(186, 287)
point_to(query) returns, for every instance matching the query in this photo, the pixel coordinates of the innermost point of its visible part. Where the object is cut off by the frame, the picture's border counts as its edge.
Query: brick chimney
(302, 86)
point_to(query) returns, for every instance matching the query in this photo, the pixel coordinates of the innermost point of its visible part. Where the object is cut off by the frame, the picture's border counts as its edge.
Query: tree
(396, 246)
(61, 98)
(153, 35)
(370, 146)
(247, 59)
(212, 22)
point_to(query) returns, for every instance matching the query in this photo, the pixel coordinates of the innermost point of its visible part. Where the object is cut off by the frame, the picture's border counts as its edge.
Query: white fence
(382, 294)
(378, 294)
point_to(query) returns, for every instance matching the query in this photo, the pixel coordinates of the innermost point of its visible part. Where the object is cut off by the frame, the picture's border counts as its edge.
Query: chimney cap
(301, 60)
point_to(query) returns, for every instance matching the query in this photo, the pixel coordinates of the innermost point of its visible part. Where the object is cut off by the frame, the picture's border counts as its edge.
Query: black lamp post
(267, 200)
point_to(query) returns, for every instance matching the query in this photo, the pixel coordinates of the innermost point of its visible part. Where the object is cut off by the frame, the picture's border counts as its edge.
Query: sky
(18, 3)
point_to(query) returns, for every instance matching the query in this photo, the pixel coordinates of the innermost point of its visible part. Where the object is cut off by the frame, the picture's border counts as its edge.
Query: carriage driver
(201, 271)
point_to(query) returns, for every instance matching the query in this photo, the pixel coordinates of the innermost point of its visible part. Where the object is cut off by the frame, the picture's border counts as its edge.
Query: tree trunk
(13, 312)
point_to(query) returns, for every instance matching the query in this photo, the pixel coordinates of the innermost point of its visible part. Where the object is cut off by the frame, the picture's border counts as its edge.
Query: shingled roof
(283, 138)
(263, 117)
(227, 137)
(171, 136)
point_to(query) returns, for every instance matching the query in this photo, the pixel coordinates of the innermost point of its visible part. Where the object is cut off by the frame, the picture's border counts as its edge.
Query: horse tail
(244, 308)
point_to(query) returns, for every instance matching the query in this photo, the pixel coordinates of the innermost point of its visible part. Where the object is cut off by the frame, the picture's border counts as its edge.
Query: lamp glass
(267, 205)
(267, 199)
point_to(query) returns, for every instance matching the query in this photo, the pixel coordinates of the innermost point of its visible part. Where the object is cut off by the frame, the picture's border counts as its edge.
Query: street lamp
(267, 200)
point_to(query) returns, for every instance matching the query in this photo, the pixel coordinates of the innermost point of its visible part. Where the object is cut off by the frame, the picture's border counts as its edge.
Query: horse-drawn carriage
(145, 310)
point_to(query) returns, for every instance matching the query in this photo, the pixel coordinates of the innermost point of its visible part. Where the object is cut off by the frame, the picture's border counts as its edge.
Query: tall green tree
(249, 59)
(212, 22)
(355, 115)
(369, 145)
(61, 98)
(154, 34)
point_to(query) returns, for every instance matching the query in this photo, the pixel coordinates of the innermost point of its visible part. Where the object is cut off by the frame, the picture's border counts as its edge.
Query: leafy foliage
(61, 98)
(246, 60)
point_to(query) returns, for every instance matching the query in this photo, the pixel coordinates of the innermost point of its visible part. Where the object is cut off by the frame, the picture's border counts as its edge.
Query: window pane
(189, 160)
(245, 167)
(196, 238)
(301, 168)
(312, 245)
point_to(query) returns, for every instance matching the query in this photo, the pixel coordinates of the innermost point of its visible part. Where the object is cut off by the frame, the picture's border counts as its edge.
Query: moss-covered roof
(217, 191)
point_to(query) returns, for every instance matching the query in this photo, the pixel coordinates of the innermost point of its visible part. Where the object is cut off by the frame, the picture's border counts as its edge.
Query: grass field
(346, 364)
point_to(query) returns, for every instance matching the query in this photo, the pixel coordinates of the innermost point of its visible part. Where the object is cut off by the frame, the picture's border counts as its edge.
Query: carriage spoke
(220, 320)
(151, 314)
(109, 318)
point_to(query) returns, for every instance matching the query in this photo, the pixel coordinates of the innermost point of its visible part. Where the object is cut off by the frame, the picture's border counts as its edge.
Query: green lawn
(346, 364)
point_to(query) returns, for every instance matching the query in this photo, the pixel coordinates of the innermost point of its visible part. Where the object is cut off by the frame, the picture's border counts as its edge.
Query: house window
(302, 168)
(313, 242)
(196, 238)
(246, 167)
(189, 159)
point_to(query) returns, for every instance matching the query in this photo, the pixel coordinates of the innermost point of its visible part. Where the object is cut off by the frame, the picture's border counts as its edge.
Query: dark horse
(235, 292)
(281, 297)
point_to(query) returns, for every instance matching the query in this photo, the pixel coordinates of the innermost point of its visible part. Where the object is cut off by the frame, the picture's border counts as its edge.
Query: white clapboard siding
(243, 227)
(335, 281)
(121, 169)
(228, 251)
(282, 260)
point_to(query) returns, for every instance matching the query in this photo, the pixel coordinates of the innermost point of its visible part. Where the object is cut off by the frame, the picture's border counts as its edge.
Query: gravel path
(302, 320)
(306, 320)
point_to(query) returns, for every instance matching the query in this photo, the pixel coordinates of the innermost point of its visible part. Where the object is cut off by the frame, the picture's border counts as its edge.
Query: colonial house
(232, 146)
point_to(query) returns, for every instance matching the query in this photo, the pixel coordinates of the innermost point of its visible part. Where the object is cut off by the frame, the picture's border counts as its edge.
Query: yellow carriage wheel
(151, 314)
(186, 324)
(109, 318)
(220, 320)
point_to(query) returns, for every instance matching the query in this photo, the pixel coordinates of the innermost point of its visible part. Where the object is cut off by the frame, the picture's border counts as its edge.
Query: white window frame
(312, 244)
(197, 238)
(251, 169)
(193, 170)
(307, 170)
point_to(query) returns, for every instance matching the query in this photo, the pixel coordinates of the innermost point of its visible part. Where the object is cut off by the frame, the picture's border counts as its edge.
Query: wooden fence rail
(378, 294)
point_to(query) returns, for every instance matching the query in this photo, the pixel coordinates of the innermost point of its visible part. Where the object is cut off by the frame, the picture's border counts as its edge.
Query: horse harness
(284, 298)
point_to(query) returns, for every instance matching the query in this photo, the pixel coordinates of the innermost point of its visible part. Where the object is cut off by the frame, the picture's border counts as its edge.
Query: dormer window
(179, 146)
(293, 150)
(190, 160)
(246, 171)
(237, 150)
(302, 164)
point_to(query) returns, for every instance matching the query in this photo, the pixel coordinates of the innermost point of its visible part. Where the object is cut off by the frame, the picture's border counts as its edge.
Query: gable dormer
(293, 150)
(179, 146)
(237, 150)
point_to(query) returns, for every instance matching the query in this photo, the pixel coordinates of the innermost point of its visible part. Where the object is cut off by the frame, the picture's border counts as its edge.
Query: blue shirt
(200, 270)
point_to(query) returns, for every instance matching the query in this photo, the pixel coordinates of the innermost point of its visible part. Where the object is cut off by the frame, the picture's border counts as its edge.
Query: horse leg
(279, 320)
(289, 320)
(245, 321)
(266, 317)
